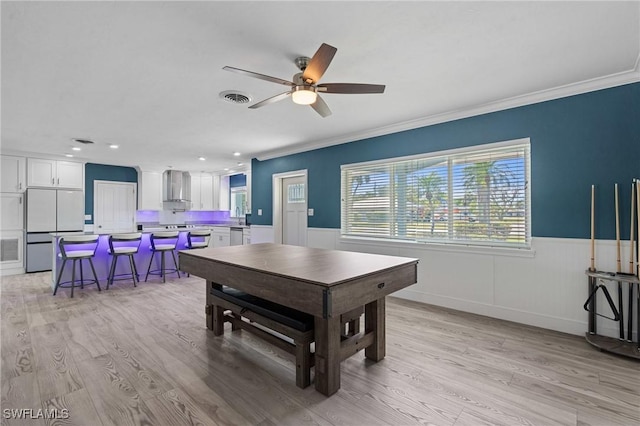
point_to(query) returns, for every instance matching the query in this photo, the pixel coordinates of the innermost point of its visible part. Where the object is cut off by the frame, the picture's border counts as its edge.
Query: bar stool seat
(85, 249)
(198, 239)
(124, 245)
(163, 242)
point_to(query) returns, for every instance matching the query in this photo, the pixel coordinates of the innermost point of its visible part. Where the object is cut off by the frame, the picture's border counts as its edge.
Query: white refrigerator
(47, 211)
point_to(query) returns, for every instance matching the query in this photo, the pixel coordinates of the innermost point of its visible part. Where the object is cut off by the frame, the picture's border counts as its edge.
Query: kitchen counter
(102, 259)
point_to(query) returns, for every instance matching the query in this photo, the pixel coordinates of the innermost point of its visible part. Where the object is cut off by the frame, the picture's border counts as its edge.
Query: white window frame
(468, 245)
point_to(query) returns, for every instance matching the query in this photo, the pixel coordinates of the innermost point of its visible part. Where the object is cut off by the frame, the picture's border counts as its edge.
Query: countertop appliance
(47, 211)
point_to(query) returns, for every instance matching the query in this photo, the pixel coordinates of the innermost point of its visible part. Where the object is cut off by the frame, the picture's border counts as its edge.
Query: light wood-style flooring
(142, 355)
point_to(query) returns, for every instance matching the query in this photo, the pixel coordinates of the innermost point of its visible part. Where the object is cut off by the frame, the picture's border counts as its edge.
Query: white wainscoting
(546, 287)
(261, 234)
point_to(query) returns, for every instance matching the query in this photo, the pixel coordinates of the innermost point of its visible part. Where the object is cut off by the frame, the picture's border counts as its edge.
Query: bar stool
(77, 248)
(198, 239)
(162, 242)
(124, 245)
(201, 239)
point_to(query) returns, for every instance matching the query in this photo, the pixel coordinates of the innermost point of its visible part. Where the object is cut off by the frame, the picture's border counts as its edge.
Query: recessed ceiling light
(201, 158)
(113, 146)
(226, 169)
(68, 155)
(237, 154)
(76, 148)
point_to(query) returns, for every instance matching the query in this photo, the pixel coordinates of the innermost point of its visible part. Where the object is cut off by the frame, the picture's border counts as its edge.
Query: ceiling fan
(304, 89)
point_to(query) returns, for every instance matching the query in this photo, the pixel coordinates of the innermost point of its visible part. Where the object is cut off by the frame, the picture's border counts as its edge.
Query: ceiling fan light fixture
(304, 95)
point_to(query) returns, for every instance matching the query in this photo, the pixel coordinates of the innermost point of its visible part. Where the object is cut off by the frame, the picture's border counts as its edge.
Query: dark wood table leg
(327, 355)
(209, 308)
(374, 322)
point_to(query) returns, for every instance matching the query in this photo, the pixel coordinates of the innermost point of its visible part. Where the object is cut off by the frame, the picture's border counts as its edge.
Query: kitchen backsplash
(168, 217)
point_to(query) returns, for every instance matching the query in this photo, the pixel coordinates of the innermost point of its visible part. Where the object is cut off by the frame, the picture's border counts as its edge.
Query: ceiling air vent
(235, 97)
(84, 141)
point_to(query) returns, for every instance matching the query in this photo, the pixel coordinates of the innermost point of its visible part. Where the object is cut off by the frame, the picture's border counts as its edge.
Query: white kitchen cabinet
(201, 191)
(246, 236)
(70, 174)
(221, 236)
(195, 192)
(150, 191)
(13, 174)
(11, 252)
(12, 211)
(206, 192)
(54, 174)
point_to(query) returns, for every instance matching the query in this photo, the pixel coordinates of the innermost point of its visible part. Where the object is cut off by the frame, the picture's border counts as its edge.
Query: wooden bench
(226, 304)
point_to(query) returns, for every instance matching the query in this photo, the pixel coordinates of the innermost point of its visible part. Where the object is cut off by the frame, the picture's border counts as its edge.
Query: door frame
(132, 185)
(278, 217)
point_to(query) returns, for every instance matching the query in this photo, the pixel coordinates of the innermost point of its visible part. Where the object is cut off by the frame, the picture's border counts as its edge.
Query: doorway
(114, 207)
(290, 197)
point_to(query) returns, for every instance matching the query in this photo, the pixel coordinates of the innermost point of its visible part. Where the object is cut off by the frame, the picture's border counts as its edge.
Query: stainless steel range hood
(176, 190)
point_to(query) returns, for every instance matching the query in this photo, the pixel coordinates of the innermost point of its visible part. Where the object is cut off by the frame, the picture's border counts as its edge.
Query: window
(476, 196)
(238, 201)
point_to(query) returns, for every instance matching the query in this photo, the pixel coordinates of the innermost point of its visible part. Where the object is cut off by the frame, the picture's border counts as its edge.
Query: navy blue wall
(104, 172)
(577, 141)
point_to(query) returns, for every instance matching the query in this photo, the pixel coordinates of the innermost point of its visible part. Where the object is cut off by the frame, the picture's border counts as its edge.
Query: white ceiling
(147, 75)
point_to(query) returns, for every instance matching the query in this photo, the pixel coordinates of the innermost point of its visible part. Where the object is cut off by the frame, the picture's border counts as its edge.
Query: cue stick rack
(627, 279)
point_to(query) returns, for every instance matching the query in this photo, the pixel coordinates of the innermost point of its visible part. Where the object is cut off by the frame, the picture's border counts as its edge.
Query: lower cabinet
(221, 236)
(11, 252)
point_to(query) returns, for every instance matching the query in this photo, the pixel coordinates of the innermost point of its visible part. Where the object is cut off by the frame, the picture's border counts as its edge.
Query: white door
(114, 207)
(294, 211)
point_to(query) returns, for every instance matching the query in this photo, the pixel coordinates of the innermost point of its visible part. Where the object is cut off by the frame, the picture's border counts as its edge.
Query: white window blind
(472, 196)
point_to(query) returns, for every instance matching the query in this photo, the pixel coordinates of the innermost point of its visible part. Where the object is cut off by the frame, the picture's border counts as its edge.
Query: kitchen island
(102, 259)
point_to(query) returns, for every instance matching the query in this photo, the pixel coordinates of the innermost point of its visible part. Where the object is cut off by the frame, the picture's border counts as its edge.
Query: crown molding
(572, 89)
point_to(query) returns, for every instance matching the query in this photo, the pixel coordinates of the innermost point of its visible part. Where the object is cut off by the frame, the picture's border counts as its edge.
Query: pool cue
(593, 209)
(630, 285)
(618, 263)
(629, 336)
(632, 233)
(592, 267)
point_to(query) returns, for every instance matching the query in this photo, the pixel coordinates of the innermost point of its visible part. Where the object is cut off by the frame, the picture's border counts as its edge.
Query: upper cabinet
(150, 191)
(54, 174)
(201, 191)
(13, 174)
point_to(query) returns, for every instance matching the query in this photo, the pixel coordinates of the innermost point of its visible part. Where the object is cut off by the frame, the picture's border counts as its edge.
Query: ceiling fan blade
(321, 107)
(353, 88)
(260, 76)
(271, 100)
(319, 63)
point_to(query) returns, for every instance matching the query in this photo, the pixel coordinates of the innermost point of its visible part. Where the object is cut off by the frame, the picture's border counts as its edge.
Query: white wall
(546, 287)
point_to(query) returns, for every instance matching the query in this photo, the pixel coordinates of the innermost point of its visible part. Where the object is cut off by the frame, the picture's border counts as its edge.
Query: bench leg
(233, 326)
(303, 364)
(218, 320)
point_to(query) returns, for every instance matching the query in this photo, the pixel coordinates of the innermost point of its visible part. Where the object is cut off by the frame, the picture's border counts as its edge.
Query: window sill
(441, 247)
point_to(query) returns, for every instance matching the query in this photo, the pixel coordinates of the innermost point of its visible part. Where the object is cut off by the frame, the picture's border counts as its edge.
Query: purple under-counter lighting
(207, 216)
(147, 216)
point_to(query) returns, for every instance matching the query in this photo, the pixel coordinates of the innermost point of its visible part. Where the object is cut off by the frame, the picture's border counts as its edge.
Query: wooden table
(323, 283)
